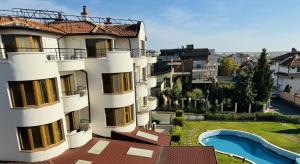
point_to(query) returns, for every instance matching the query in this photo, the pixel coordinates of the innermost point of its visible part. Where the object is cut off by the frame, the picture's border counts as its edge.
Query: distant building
(286, 71)
(240, 58)
(193, 66)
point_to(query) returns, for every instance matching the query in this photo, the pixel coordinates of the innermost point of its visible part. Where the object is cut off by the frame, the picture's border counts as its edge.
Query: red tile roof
(163, 139)
(9, 22)
(72, 27)
(116, 152)
(188, 154)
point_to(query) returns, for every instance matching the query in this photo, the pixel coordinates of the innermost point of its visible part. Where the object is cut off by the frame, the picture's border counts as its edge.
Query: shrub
(253, 117)
(179, 121)
(176, 133)
(179, 113)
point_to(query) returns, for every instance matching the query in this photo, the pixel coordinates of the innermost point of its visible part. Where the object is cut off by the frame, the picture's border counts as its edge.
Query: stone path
(188, 140)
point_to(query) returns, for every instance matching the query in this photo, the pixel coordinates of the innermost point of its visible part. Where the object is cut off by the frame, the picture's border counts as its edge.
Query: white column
(235, 107)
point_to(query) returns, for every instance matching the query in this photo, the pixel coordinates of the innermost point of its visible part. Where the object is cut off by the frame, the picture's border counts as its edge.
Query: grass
(284, 135)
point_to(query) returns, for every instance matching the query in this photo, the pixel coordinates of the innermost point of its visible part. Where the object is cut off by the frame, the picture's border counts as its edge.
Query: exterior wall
(78, 41)
(294, 83)
(19, 67)
(114, 62)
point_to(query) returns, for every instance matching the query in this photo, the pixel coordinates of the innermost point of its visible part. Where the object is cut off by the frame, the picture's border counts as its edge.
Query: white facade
(285, 75)
(87, 73)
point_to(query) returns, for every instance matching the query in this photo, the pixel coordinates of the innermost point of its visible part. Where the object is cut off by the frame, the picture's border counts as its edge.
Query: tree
(287, 88)
(262, 78)
(177, 89)
(197, 94)
(227, 66)
(243, 93)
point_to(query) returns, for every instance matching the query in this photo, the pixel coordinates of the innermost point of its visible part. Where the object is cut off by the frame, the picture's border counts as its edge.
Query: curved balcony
(140, 61)
(151, 81)
(79, 137)
(151, 59)
(152, 103)
(70, 65)
(142, 118)
(75, 100)
(151, 56)
(141, 89)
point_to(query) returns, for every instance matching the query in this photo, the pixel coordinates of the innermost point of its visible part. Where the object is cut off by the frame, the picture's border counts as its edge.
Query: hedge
(176, 133)
(179, 113)
(178, 121)
(253, 117)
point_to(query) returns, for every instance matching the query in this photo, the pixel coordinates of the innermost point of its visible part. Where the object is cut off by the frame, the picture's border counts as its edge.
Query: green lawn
(281, 134)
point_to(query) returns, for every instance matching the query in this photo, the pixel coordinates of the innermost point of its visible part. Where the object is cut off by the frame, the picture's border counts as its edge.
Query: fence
(295, 99)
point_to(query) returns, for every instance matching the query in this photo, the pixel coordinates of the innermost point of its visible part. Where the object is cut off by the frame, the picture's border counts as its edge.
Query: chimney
(84, 13)
(108, 21)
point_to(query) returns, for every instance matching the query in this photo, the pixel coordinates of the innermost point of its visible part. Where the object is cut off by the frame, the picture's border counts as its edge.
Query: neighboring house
(194, 66)
(240, 58)
(286, 71)
(64, 79)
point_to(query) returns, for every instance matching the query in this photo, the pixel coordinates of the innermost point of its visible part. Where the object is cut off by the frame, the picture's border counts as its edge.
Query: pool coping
(256, 138)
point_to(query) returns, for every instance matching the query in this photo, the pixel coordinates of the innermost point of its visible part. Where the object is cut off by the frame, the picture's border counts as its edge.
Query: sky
(224, 25)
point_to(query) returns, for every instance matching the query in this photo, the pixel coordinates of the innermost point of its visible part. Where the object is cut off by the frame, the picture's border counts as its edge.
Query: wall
(114, 62)
(20, 67)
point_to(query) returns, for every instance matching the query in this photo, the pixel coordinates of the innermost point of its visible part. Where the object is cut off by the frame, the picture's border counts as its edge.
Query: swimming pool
(246, 145)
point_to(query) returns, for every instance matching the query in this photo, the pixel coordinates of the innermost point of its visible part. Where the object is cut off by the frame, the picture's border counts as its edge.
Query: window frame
(117, 83)
(127, 116)
(44, 136)
(37, 93)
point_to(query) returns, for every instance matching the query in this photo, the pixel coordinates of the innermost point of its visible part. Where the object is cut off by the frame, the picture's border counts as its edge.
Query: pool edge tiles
(252, 137)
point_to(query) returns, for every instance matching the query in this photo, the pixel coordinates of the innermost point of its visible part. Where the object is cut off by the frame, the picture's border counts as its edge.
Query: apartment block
(64, 79)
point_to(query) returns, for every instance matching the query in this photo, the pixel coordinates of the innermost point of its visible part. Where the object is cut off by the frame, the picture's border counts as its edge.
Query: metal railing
(47, 16)
(74, 53)
(81, 90)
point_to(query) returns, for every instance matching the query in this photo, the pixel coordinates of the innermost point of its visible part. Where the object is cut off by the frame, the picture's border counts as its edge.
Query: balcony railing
(76, 53)
(81, 90)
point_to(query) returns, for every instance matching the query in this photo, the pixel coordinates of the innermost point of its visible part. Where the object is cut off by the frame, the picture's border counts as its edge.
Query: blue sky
(225, 25)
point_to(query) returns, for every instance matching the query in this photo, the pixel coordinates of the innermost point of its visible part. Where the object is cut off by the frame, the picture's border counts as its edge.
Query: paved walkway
(283, 107)
(188, 139)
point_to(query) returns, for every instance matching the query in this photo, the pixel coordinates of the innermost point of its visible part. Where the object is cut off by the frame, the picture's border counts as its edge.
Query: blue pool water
(247, 148)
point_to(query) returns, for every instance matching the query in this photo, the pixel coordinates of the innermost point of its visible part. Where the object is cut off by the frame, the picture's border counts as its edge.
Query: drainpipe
(59, 45)
(87, 86)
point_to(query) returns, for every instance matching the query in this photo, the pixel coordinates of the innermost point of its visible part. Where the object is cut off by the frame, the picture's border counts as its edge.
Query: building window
(72, 121)
(98, 47)
(298, 69)
(33, 93)
(117, 82)
(43, 136)
(67, 84)
(22, 43)
(119, 116)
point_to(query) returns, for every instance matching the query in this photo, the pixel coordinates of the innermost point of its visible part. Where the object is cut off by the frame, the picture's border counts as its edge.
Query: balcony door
(98, 47)
(67, 84)
(72, 121)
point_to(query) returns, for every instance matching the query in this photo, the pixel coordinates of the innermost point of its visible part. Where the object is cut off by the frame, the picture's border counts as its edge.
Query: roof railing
(47, 16)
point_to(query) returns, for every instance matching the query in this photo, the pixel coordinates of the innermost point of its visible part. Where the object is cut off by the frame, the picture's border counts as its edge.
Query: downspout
(59, 45)
(87, 86)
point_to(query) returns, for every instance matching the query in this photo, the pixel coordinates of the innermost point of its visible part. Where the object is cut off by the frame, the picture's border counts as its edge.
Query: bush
(253, 117)
(176, 133)
(179, 121)
(179, 113)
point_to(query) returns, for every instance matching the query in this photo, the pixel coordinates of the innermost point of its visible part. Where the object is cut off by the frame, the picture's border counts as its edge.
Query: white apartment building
(286, 71)
(66, 79)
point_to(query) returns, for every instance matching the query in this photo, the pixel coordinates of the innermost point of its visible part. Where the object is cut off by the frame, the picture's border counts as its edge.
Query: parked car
(274, 95)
